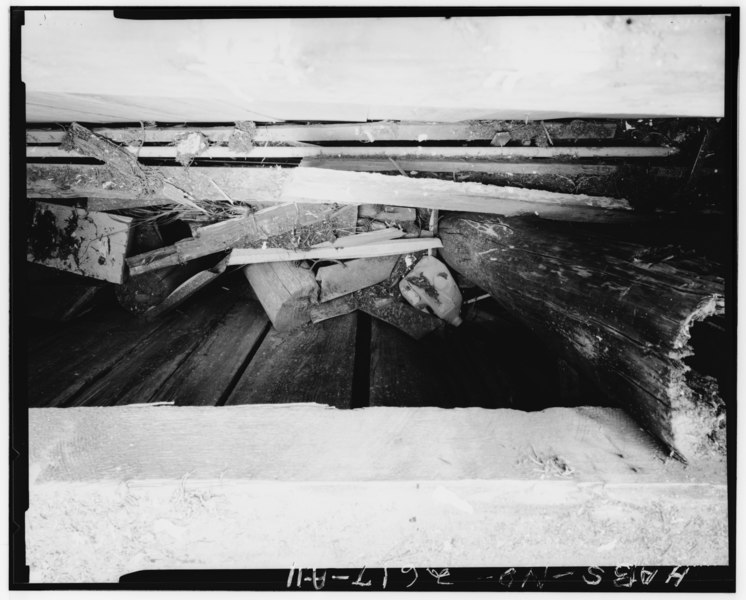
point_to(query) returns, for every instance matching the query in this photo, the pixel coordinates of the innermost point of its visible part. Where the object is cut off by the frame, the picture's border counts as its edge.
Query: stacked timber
(530, 212)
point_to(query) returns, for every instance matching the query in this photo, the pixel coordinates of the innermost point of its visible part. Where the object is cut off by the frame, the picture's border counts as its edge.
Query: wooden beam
(351, 276)
(617, 309)
(398, 152)
(312, 185)
(247, 256)
(295, 471)
(224, 235)
(368, 237)
(285, 291)
(383, 131)
(81, 242)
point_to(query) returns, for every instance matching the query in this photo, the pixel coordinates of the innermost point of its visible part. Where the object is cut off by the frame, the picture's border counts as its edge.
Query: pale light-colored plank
(248, 256)
(156, 443)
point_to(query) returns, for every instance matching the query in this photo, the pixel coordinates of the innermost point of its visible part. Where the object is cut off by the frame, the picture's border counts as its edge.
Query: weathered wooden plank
(384, 131)
(368, 237)
(438, 69)
(207, 374)
(619, 317)
(134, 482)
(137, 377)
(187, 289)
(285, 291)
(416, 324)
(397, 152)
(381, 165)
(82, 352)
(403, 372)
(351, 276)
(246, 256)
(224, 235)
(81, 242)
(313, 364)
(313, 185)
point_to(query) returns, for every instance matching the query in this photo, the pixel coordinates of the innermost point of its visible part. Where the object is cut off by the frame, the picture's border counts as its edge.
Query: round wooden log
(621, 312)
(286, 292)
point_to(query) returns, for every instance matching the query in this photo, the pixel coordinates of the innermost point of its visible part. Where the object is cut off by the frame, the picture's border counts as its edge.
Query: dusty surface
(121, 489)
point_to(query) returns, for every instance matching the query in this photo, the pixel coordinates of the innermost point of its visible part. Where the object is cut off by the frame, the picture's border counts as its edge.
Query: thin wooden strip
(313, 364)
(204, 377)
(137, 378)
(361, 239)
(365, 132)
(248, 256)
(449, 166)
(382, 151)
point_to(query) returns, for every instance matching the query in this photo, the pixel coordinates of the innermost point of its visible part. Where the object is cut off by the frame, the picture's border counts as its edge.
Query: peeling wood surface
(383, 131)
(157, 443)
(570, 152)
(86, 243)
(66, 362)
(437, 69)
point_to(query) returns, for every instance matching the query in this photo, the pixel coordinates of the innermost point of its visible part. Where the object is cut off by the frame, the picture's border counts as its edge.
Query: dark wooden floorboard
(312, 364)
(208, 374)
(76, 353)
(139, 376)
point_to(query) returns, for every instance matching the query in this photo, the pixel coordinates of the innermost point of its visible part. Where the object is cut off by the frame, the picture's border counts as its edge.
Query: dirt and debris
(242, 138)
(189, 146)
